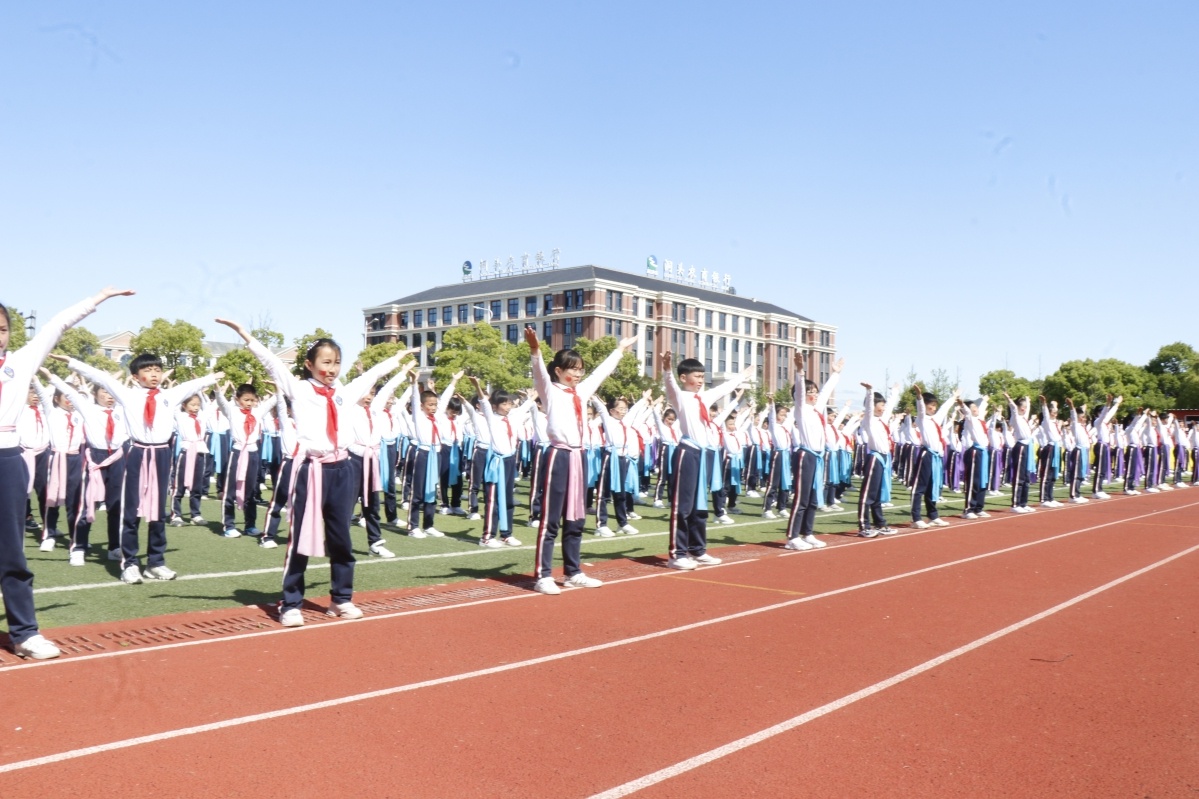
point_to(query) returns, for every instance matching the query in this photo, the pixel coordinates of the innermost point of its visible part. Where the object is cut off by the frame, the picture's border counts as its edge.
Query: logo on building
(500, 268)
(686, 275)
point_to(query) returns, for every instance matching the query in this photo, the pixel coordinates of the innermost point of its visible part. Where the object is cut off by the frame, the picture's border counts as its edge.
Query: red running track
(820, 674)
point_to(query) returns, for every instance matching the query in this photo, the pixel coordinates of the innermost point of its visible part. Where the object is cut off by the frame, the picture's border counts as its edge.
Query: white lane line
(354, 698)
(531, 595)
(790, 724)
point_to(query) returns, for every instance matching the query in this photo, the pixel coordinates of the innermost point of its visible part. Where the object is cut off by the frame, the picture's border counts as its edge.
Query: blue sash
(668, 458)
(591, 456)
(218, 452)
(936, 474)
(785, 465)
(707, 483)
(455, 461)
(818, 478)
(268, 448)
(984, 462)
(432, 474)
(736, 464)
(632, 481)
(1057, 457)
(885, 493)
(385, 464)
(1084, 462)
(494, 472)
(468, 447)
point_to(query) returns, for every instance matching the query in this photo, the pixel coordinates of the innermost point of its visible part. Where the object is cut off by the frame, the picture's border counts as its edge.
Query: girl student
(498, 426)
(245, 416)
(433, 434)
(564, 392)
(64, 485)
(17, 370)
(191, 433)
(323, 483)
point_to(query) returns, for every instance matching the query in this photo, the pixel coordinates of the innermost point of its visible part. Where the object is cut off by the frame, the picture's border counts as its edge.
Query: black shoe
(32, 525)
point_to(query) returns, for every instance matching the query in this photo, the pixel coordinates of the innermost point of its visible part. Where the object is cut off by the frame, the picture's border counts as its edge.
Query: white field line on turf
(797, 721)
(657, 776)
(474, 551)
(531, 595)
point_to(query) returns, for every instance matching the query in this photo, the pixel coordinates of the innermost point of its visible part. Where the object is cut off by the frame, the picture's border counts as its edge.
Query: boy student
(929, 465)
(1104, 435)
(149, 410)
(618, 478)
(1078, 449)
(33, 433)
(191, 432)
(432, 441)
(497, 428)
(245, 430)
(876, 428)
(808, 441)
(1021, 453)
(778, 473)
(1049, 457)
(976, 439)
(696, 470)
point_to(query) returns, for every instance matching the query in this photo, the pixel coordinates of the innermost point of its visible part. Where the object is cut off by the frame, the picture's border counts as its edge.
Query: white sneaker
(267, 542)
(753, 494)
(1132, 492)
(797, 544)
(1077, 500)
(457, 512)
(814, 542)
(159, 573)
(938, 522)
(416, 532)
(629, 529)
(888, 504)
(47, 545)
(132, 575)
(785, 513)
(361, 521)
(114, 554)
(176, 521)
(474, 517)
(511, 541)
(490, 543)
(344, 610)
(36, 647)
(76, 558)
(659, 503)
(725, 519)
(404, 505)
(581, 580)
(707, 560)
(198, 521)
(969, 515)
(604, 532)
(433, 532)
(1053, 503)
(292, 618)
(641, 494)
(826, 508)
(1181, 485)
(231, 532)
(982, 514)
(921, 525)
(1165, 487)
(769, 514)
(634, 516)
(381, 551)
(994, 493)
(684, 563)
(1153, 490)
(547, 586)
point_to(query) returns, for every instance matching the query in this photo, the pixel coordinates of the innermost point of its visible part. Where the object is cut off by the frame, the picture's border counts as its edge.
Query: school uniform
(148, 463)
(808, 441)
(219, 445)
(388, 416)
(106, 439)
(64, 484)
(1103, 448)
(365, 451)
(33, 433)
(539, 443)
(618, 479)
(289, 450)
(245, 432)
(1076, 465)
(976, 456)
(876, 431)
(930, 460)
(778, 470)
(17, 370)
(1021, 457)
(499, 468)
(1049, 455)
(191, 445)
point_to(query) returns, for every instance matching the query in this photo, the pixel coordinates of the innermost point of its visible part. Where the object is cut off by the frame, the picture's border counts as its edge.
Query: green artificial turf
(217, 572)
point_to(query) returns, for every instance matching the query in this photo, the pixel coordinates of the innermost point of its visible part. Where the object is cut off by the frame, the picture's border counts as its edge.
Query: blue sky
(953, 185)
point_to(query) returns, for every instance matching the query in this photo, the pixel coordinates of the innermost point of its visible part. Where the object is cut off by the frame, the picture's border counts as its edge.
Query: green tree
(479, 351)
(371, 356)
(993, 384)
(82, 345)
(241, 366)
(271, 339)
(179, 344)
(303, 343)
(16, 329)
(1091, 381)
(1171, 366)
(626, 380)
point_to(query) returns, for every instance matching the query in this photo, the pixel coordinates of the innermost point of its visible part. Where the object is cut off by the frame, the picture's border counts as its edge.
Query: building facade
(724, 331)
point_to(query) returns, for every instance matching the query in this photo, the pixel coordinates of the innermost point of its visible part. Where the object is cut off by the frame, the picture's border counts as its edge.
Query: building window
(616, 301)
(674, 347)
(549, 304)
(480, 312)
(496, 307)
(722, 321)
(513, 307)
(736, 323)
(432, 317)
(760, 363)
(633, 328)
(572, 330)
(649, 309)
(697, 343)
(463, 314)
(547, 331)
(678, 312)
(825, 360)
(758, 325)
(736, 350)
(530, 306)
(447, 315)
(513, 334)
(403, 320)
(404, 342)
(826, 338)
(722, 350)
(636, 304)
(784, 331)
(649, 349)
(619, 329)
(708, 319)
(607, 327)
(418, 318)
(573, 300)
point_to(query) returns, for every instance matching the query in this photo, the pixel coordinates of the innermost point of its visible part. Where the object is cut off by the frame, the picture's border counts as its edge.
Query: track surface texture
(1046, 655)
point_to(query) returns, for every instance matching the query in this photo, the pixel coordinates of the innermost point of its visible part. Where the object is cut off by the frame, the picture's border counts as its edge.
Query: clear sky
(958, 185)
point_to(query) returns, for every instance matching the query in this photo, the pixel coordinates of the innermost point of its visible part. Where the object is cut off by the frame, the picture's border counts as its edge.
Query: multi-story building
(725, 331)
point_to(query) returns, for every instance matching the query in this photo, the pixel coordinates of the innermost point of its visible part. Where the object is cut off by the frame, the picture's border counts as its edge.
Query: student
(1104, 440)
(929, 464)
(1021, 456)
(106, 437)
(778, 473)
(876, 428)
(392, 428)
(245, 416)
(498, 426)
(191, 443)
(147, 474)
(366, 454)
(1049, 457)
(696, 469)
(808, 440)
(17, 370)
(618, 478)
(324, 482)
(565, 392)
(976, 440)
(34, 437)
(1078, 444)
(64, 485)
(432, 439)
(289, 449)
(667, 422)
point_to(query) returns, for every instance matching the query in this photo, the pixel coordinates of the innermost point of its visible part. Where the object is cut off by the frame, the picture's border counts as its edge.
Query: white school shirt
(808, 430)
(192, 429)
(875, 430)
(66, 430)
(1053, 431)
(781, 433)
(237, 421)
(33, 432)
(564, 427)
(1021, 428)
(133, 400)
(1082, 439)
(932, 428)
(95, 418)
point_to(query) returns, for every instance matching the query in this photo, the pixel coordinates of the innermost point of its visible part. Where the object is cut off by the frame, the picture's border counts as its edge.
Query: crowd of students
(388, 445)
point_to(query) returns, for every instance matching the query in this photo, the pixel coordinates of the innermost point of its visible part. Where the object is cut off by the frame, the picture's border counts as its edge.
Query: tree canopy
(82, 345)
(16, 329)
(180, 345)
(479, 350)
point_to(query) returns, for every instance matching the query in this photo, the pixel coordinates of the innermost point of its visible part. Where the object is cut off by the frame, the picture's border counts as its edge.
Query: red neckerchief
(151, 406)
(330, 412)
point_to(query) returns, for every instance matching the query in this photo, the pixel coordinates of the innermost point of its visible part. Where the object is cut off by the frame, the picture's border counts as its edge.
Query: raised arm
(590, 384)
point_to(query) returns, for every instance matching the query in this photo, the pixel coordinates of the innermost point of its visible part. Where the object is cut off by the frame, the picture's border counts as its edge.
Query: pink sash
(95, 482)
(56, 483)
(147, 499)
(312, 529)
(30, 458)
(576, 504)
